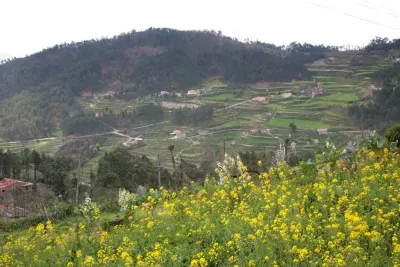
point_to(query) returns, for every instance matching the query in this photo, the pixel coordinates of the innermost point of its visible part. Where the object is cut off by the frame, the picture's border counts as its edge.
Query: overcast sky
(28, 26)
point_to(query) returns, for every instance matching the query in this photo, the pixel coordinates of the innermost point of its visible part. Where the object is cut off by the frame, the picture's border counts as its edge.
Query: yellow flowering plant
(300, 216)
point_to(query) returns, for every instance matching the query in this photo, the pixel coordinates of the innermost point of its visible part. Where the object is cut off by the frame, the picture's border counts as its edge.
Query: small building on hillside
(9, 188)
(192, 93)
(178, 134)
(287, 94)
(97, 114)
(318, 90)
(164, 93)
(260, 99)
(322, 131)
(265, 132)
(255, 131)
(134, 142)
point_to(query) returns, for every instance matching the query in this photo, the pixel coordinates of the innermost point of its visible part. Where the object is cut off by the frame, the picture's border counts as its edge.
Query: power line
(356, 17)
(375, 9)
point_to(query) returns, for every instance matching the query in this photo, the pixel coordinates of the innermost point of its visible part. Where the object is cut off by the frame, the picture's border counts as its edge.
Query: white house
(322, 131)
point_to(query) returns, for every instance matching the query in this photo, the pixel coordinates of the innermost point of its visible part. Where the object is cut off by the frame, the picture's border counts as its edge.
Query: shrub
(393, 134)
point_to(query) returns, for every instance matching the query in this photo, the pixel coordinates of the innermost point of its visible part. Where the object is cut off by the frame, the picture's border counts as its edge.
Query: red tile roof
(6, 182)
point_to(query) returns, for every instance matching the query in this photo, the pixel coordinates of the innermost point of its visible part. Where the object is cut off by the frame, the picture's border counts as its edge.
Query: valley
(241, 122)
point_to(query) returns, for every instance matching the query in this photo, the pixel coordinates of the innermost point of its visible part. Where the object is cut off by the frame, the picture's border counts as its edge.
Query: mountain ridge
(142, 63)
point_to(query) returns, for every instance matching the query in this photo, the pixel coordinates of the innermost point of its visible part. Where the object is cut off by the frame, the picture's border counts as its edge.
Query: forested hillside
(36, 90)
(382, 108)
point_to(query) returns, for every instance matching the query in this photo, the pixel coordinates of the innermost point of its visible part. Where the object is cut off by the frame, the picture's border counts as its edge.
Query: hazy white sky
(27, 26)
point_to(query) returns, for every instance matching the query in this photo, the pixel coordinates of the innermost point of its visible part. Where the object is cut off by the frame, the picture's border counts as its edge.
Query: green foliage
(119, 169)
(246, 66)
(31, 114)
(293, 127)
(55, 172)
(382, 44)
(81, 124)
(393, 134)
(384, 109)
(151, 111)
(193, 116)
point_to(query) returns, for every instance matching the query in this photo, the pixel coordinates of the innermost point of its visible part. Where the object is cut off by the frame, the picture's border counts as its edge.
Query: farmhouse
(260, 99)
(134, 142)
(307, 90)
(322, 131)
(287, 94)
(192, 93)
(178, 134)
(265, 132)
(10, 187)
(318, 91)
(255, 131)
(164, 93)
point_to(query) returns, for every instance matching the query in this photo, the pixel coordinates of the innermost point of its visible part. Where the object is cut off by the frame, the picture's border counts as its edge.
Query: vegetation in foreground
(342, 210)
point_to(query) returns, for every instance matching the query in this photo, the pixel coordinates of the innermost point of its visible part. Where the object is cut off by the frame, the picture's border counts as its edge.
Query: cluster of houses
(260, 99)
(261, 131)
(287, 95)
(90, 93)
(13, 193)
(311, 90)
(169, 94)
(190, 93)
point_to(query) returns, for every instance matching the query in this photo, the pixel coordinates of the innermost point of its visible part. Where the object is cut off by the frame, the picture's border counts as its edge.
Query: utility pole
(159, 171)
(286, 148)
(171, 148)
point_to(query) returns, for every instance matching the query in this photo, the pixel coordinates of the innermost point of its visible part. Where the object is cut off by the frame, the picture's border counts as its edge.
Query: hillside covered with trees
(382, 109)
(37, 90)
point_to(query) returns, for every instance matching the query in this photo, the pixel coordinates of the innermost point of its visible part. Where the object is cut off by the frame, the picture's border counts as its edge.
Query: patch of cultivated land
(236, 115)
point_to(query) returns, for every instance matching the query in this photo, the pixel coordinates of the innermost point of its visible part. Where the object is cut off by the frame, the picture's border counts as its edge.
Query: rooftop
(6, 182)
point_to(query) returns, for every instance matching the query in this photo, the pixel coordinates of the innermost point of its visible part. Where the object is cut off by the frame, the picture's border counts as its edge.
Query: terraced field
(238, 121)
